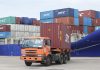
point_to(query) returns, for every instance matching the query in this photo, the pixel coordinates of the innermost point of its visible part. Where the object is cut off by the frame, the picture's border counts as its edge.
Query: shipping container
(58, 33)
(97, 22)
(85, 30)
(18, 20)
(76, 21)
(47, 21)
(47, 15)
(5, 34)
(27, 21)
(88, 13)
(66, 12)
(65, 20)
(76, 29)
(5, 28)
(97, 14)
(8, 20)
(86, 21)
(76, 13)
(91, 29)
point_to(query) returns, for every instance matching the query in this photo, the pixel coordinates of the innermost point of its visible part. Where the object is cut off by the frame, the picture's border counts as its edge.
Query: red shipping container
(88, 13)
(94, 22)
(81, 21)
(76, 29)
(91, 29)
(97, 22)
(65, 20)
(36, 22)
(5, 28)
(18, 20)
(58, 33)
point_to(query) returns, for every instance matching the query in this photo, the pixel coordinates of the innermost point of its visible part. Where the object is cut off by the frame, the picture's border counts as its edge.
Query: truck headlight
(23, 52)
(39, 55)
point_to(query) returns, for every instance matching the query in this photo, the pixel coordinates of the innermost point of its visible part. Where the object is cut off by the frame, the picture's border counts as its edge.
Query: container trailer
(52, 46)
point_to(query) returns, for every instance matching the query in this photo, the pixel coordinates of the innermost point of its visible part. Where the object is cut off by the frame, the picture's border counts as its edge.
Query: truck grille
(31, 53)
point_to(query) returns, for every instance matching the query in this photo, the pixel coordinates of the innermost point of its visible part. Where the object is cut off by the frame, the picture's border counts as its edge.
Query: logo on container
(67, 38)
(47, 14)
(61, 12)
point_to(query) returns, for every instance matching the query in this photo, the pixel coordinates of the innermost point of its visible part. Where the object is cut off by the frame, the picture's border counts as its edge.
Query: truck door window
(48, 42)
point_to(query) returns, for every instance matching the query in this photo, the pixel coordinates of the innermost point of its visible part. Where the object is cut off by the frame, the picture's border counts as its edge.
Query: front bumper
(31, 58)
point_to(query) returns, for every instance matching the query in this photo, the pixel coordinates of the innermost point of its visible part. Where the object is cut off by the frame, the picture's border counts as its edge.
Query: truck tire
(60, 61)
(47, 61)
(28, 63)
(68, 56)
(65, 59)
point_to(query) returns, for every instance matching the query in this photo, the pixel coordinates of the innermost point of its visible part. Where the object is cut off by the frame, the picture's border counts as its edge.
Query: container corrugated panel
(47, 15)
(5, 34)
(88, 13)
(65, 20)
(66, 12)
(76, 21)
(85, 29)
(76, 29)
(91, 29)
(58, 33)
(87, 21)
(18, 20)
(47, 21)
(5, 28)
(97, 14)
(27, 21)
(76, 13)
(97, 22)
(8, 20)
(10, 50)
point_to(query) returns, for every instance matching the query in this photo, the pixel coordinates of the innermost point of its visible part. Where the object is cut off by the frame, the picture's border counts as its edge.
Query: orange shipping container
(65, 20)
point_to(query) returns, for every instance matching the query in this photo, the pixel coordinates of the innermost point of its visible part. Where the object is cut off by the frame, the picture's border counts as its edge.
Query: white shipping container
(20, 27)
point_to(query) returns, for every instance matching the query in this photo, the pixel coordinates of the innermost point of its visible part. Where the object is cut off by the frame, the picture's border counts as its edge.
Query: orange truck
(53, 45)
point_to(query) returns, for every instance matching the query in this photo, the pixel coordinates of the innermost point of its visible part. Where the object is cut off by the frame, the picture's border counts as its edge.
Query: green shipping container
(8, 20)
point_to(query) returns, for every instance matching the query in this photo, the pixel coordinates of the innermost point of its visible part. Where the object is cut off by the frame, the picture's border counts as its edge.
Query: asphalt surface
(76, 63)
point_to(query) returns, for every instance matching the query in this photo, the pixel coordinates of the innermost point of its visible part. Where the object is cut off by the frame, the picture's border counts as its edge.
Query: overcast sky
(32, 8)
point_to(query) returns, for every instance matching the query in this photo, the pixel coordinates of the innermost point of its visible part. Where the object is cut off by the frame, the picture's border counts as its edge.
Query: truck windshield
(32, 43)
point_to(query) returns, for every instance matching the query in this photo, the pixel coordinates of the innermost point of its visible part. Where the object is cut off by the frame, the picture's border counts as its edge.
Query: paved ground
(14, 63)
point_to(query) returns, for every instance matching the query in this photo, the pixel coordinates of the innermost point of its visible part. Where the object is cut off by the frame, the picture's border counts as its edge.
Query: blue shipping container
(76, 21)
(76, 13)
(5, 34)
(66, 12)
(47, 15)
(85, 29)
(97, 14)
(87, 21)
(47, 21)
(27, 21)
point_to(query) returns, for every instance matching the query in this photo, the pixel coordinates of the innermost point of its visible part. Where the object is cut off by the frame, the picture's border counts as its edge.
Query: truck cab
(35, 49)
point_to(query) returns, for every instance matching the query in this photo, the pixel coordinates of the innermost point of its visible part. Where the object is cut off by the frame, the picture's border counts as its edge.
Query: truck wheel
(60, 61)
(65, 59)
(47, 61)
(68, 56)
(28, 63)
